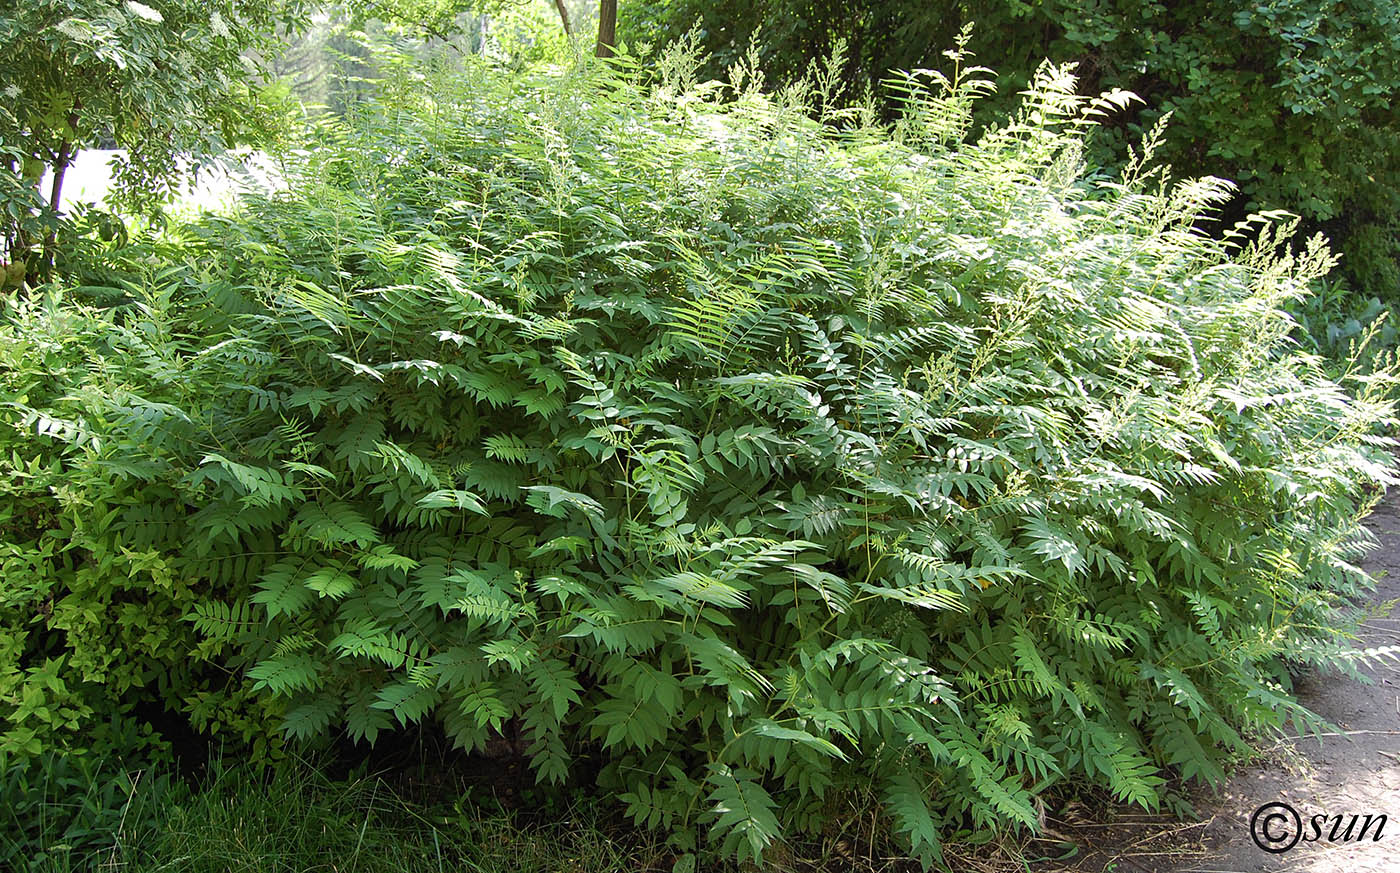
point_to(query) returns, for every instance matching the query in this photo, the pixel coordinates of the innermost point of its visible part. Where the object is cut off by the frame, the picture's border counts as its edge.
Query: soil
(1353, 771)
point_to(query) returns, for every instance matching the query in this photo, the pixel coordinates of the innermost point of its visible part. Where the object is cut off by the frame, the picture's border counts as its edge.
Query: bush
(777, 471)
(91, 610)
(1343, 326)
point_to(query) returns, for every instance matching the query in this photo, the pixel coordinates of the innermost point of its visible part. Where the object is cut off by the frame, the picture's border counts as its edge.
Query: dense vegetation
(762, 463)
(1292, 99)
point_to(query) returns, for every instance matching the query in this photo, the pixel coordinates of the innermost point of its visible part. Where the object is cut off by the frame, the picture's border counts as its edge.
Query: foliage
(335, 62)
(776, 470)
(1293, 99)
(161, 83)
(530, 34)
(91, 622)
(338, 62)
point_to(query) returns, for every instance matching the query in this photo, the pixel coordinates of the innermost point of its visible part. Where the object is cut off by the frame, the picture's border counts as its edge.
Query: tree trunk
(607, 28)
(564, 17)
(67, 150)
(60, 167)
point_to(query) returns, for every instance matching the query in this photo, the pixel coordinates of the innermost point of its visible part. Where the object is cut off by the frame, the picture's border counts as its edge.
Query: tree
(165, 84)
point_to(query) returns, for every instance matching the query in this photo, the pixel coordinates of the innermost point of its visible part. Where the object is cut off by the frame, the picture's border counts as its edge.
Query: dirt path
(1355, 772)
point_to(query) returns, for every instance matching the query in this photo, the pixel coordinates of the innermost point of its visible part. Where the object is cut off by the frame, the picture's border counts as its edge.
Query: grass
(66, 815)
(242, 819)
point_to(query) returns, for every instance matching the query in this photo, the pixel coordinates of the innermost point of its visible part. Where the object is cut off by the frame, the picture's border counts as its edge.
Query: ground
(1355, 770)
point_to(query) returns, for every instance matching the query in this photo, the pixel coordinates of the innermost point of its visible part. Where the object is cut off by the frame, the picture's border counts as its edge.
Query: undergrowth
(1345, 328)
(773, 467)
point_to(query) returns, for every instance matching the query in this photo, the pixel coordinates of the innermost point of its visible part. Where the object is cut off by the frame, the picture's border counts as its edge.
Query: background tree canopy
(171, 85)
(1291, 99)
(161, 84)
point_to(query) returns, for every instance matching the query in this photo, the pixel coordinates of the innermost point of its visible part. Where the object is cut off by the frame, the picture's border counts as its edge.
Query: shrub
(781, 470)
(91, 608)
(1343, 326)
